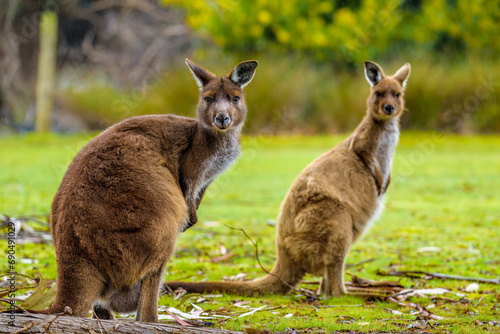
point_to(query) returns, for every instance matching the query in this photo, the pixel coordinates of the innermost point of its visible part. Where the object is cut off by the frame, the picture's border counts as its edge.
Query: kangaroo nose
(389, 109)
(222, 120)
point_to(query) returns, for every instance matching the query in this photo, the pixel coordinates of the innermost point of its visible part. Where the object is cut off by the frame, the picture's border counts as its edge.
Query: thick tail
(265, 285)
(281, 280)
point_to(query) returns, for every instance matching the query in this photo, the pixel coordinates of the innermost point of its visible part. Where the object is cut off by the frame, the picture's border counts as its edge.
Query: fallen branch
(422, 314)
(37, 323)
(335, 306)
(369, 295)
(261, 310)
(33, 324)
(445, 299)
(424, 274)
(370, 292)
(362, 287)
(8, 301)
(372, 289)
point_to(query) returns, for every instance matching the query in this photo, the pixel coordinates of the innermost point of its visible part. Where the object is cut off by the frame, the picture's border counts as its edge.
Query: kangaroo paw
(379, 180)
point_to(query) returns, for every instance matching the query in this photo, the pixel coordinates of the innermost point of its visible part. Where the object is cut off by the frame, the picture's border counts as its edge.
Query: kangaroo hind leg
(79, 284)
(338, 246)
(147, 309)
(332, 283)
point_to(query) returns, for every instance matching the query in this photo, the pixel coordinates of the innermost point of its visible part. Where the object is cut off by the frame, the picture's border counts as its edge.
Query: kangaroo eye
(378, 94)
(398, 94)
(207, 99)
(236, 99)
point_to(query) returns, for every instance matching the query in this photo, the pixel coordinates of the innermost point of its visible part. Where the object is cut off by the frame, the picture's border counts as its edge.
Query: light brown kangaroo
(131, 190)
(333, 201)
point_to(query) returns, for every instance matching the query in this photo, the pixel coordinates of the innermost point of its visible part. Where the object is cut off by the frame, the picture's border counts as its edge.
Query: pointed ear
(403, 74)
(201, 75)
(373, 73)
(243, 73)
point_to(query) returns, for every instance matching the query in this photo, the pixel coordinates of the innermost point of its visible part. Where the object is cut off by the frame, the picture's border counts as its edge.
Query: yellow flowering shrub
(346, 31)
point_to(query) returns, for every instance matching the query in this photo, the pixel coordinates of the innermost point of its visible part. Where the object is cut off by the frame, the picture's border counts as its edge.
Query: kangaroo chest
(385, 150)
(216, 164)
(205, 170)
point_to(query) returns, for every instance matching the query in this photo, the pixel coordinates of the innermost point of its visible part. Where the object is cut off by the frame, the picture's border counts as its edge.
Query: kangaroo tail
(261, 286)
(281, 280)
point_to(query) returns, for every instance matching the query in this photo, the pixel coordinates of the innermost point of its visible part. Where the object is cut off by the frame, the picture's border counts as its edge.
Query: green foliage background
(348, 31)
(310, 76)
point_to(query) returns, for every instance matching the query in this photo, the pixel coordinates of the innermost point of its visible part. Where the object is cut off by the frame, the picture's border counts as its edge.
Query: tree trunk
(45, 85)
(37, 323)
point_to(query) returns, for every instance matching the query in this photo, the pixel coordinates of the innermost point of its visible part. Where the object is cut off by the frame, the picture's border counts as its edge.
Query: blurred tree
(348, 32)
(125, 42)
(45, 83)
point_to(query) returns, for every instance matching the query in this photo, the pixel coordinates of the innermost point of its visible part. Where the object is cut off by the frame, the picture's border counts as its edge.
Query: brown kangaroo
(333, 201)
(131, 190)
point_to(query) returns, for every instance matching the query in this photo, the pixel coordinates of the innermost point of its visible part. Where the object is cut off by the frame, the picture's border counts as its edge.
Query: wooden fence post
(45, 85)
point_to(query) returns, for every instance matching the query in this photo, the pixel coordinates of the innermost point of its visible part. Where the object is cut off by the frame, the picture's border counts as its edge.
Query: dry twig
(301, 291)
(424, 274)
(347, 266)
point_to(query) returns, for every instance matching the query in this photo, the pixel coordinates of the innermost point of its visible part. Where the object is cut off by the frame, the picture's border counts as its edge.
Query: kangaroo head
(222, 103)
(386, 95)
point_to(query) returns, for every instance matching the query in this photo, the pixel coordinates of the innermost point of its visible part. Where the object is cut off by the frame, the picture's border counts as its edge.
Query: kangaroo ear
(373, 73)
(201, 75)
(403, 74)
(243, 73)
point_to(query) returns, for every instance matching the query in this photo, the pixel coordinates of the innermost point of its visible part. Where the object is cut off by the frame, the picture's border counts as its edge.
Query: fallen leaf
(252, 311)
(396, 312)
(243, 304)
(237, 277)
(222, 249)
(40, 299)
(186, 297)
(429, 250)
(180, 321)
(436, 291)
(426, 315)
(473, 287)
(196, 307)
(271, 222)
(194, 314)
(211, 223)
(473, 250)
(223, 258)
(201, 300)
(179, 292)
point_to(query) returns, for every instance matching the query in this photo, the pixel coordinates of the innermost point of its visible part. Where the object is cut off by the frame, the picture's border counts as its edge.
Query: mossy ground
(444, 193)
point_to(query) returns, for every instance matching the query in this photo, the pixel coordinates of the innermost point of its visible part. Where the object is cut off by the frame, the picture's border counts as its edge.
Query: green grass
(444, 193)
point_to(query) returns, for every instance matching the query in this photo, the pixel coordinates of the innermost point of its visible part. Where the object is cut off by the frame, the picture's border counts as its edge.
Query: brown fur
(131, 190)
(333, 200)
